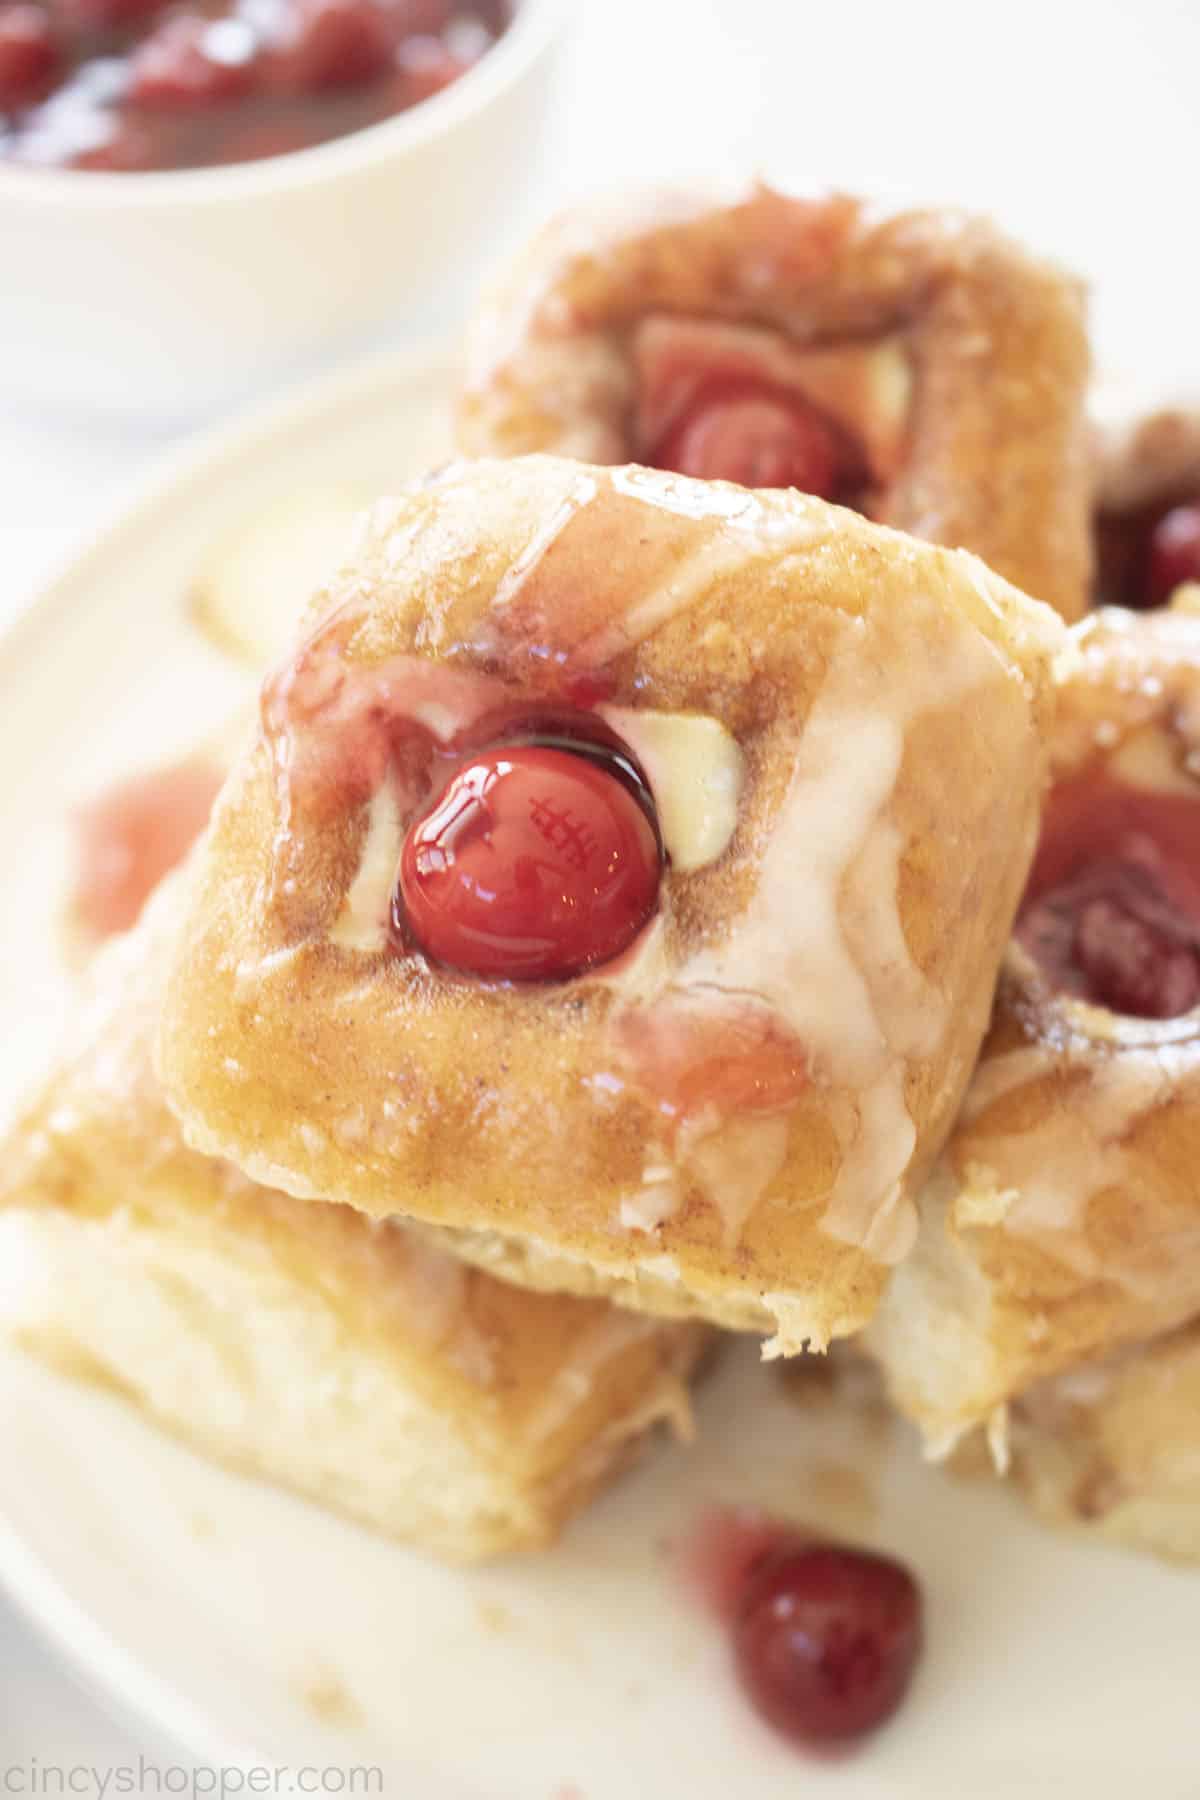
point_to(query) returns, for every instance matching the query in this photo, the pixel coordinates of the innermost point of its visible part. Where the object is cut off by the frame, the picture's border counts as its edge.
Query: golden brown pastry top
(749, 1088)
(958, 360)
(1070, 1176)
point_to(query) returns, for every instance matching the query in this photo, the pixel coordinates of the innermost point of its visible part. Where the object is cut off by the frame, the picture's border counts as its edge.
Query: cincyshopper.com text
(36, 1780)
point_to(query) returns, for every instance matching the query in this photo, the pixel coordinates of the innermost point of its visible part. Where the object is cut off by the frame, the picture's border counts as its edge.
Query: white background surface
(1074, 120)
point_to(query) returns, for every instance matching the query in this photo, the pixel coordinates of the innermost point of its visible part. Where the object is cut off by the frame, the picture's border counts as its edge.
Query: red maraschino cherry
(30, 57)
(757, 437)
(1173, 553)
(826, 1640)
(533, 864)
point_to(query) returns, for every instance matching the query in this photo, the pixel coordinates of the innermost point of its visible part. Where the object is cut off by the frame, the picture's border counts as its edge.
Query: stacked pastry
(596, 939)
(900, 365)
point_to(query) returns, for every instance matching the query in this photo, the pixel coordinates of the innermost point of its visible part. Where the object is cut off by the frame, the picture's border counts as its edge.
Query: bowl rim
(526, 41)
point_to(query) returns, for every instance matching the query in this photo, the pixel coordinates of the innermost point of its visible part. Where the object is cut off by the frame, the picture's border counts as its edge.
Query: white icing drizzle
(582, 492)
(1051, 1173)
(857, 1015)
(362, 923)
(713, 558)
(695, 770)
(736, 1164)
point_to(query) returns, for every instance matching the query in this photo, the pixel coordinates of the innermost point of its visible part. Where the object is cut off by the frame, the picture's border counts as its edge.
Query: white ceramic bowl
(170, 294)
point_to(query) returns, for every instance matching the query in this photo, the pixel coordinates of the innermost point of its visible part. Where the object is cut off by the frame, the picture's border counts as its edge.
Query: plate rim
(128, 1687)
(172, 471)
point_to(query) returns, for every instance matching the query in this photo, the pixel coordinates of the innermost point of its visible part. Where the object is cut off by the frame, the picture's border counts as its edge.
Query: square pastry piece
(1064, 1217)
(331, 1353)
(619, 882)
(917, 365)
(1113, 1449)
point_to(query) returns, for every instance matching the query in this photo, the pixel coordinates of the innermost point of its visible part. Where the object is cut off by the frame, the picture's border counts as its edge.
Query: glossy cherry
(757, 437)
(29, 55)
(336, 44)
(425, 66)
(190, 61)
(1110, 934)
(1173, 553)
(533, 864)
(826, 1640)
(1132, 964)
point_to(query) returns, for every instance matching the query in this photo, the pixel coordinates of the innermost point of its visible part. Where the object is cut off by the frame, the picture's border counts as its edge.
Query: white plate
(258, 1630)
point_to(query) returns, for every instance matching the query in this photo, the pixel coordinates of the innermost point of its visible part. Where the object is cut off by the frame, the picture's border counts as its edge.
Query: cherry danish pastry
(1064, 1217)
(681, 1006)
(919, 367)
(344, 1359)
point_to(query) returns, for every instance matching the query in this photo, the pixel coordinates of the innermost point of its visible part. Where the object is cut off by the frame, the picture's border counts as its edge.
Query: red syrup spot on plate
(133, 834)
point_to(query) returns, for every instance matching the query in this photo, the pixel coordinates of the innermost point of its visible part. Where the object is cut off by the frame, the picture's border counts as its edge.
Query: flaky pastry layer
(331, 1353)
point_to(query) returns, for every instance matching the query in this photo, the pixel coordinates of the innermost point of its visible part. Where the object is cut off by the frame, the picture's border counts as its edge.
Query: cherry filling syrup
(759, 436)
(536, 861)
(132, 85)
(825, 1638)
(1142, 557)
(1112, 911)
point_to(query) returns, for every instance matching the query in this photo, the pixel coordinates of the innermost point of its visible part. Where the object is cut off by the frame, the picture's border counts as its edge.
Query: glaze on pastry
(918, 366)
(1064, 1218)
(308, 1344)
(840, 733)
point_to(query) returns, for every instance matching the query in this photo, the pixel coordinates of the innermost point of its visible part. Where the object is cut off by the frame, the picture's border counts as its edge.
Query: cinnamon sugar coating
(731, 1119)
(993, 451)
(1064, 1216)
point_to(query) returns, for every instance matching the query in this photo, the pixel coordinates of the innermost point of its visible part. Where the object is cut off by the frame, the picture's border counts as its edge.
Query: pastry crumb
(327, 1698)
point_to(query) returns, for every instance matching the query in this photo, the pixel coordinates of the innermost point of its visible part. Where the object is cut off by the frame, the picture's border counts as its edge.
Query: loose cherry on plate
(758, 437)
(826, 1640)
(535, 863)
(1173, 553)
(30, 57)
